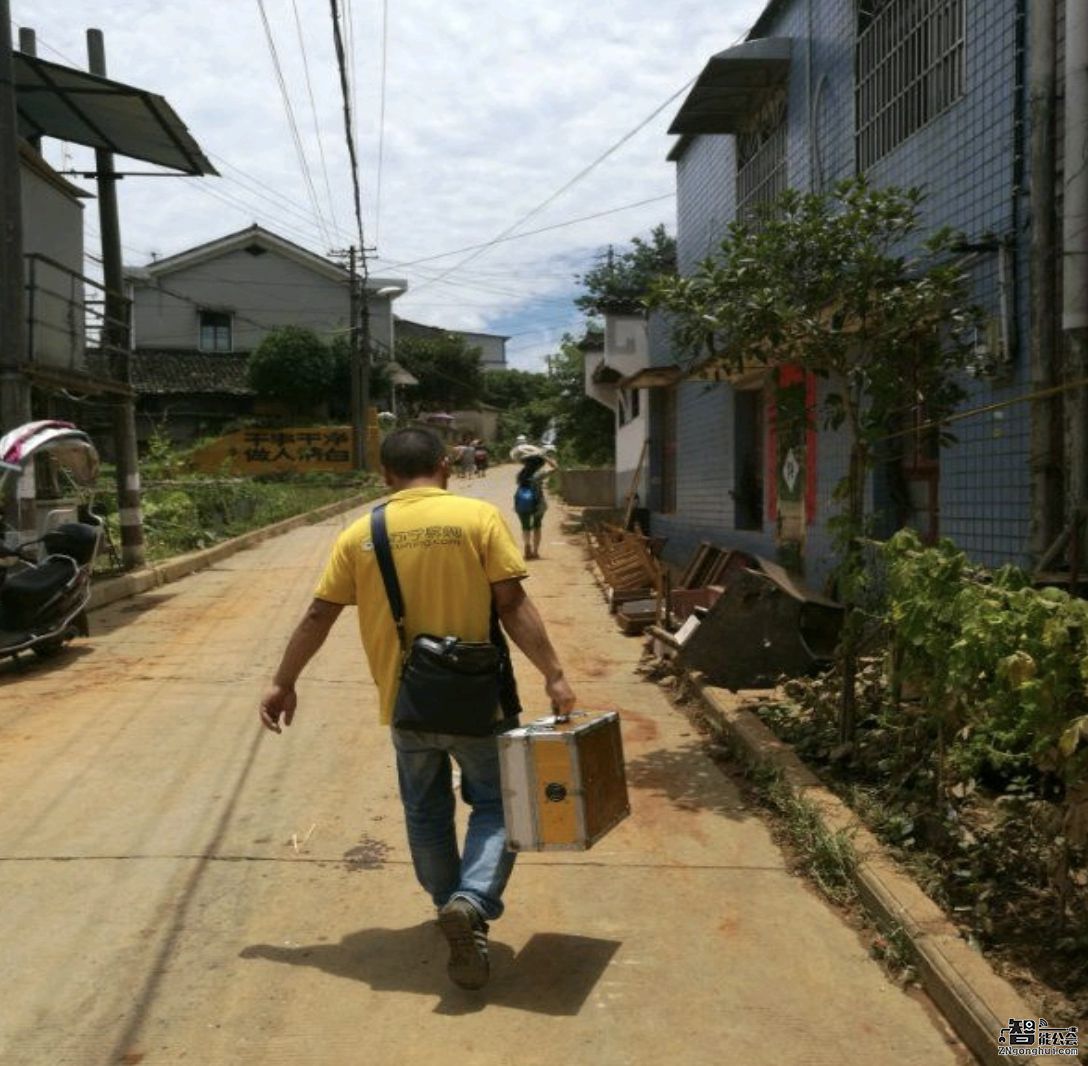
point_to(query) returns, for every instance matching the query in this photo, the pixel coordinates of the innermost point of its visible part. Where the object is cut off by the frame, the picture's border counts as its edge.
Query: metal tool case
(563, 784)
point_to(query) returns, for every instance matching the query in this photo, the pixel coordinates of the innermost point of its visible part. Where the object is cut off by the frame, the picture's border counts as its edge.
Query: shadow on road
(27, 664)
(120, 614)
(553, 974)
(689, 778)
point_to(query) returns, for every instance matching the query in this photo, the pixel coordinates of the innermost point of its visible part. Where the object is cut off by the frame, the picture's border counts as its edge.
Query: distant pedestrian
(530, 503)
(455, 563)
(468, 457)
(482, 458)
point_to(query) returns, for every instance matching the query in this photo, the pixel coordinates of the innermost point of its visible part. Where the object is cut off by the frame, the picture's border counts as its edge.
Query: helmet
(522, 439)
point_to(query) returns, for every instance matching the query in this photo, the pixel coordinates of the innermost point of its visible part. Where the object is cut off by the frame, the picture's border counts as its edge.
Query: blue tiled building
(909, 92)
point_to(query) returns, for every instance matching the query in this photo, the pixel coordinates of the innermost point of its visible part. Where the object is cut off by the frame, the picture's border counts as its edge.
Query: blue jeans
(426, 790)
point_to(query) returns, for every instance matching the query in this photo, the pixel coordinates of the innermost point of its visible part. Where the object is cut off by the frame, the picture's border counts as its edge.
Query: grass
(827, 858)
(187, 513)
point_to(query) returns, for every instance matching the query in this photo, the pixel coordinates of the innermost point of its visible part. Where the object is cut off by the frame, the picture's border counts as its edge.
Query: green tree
(513, 388)
(620, 282)
(526, 401)
(448, 371)
(843, 285)
(340, 389)
(292, 366)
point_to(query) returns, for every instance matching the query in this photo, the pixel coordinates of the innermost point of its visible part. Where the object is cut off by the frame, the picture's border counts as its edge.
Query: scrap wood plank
(629, 503)
(694, 564)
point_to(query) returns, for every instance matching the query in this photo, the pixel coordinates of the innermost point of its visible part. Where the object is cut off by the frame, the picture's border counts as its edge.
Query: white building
(226, 295)
(52, 222)
(614, 377)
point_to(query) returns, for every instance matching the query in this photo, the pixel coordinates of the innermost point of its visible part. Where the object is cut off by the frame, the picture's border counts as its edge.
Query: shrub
(292, 366)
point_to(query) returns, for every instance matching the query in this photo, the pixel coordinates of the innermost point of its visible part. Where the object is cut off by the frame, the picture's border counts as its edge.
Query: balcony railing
(67, 313)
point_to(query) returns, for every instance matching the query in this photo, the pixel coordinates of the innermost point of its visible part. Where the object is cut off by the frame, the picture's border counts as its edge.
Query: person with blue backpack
(530, 502)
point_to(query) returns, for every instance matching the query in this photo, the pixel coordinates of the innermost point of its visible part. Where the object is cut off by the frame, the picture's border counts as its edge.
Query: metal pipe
(1043, 353)
(28, 45)
(1075, 249)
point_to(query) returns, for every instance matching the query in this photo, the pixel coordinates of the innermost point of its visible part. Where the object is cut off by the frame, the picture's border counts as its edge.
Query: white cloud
(490, 108)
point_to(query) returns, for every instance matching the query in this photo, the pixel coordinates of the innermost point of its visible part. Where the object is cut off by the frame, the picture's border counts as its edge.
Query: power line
(381, 124)
(269, 194)
(519, 236)
(349, 26)
(292, 124)
(338, 41)
(44, 44)
(584, 172)
(254, 213)
(313, 112)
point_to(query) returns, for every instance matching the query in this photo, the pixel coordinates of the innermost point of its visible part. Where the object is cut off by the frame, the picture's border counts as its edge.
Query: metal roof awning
(732, 85)
(653, 377)
(58, 101)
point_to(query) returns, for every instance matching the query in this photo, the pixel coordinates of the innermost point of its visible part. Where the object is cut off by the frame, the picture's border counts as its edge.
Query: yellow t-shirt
(448, 551)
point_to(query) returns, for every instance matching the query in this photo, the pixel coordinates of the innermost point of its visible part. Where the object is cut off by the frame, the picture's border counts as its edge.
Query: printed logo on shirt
(427, 537)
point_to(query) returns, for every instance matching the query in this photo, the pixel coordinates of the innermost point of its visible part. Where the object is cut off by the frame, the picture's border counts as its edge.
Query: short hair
(412, 452)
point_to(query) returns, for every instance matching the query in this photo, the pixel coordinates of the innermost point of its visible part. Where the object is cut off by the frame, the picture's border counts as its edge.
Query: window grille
(215, 331)
(761, 160)
(910, 68)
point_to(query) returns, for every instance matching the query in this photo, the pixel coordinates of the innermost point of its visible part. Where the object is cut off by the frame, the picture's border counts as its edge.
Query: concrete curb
(113, 589)
(974, 999)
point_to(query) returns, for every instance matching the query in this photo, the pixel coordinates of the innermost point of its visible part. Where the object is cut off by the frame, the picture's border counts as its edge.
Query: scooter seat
(77, 539)
(24, 594)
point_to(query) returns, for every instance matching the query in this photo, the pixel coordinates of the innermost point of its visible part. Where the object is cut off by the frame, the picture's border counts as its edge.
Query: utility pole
(359, 383)
(14, 386)
(116, 339)
(359, 338)
(364, 363)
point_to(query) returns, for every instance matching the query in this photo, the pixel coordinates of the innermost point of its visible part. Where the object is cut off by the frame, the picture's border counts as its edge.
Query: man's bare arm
(523, 623)
(307, 638)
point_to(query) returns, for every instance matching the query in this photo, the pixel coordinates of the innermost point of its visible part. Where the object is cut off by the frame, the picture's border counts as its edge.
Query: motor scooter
(45, 583)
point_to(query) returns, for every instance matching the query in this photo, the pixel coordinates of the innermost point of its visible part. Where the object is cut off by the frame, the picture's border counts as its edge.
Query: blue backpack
(527, 498)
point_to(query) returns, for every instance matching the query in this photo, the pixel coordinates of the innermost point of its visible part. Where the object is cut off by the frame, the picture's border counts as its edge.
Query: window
(761, 159)
(215, 331)
(635, 405)
(748, 459)
(910, 68)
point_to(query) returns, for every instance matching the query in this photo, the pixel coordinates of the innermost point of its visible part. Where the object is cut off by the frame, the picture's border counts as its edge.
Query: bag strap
(379, 536)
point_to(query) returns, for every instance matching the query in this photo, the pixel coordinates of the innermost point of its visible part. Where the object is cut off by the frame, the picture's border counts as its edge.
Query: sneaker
(466, 933)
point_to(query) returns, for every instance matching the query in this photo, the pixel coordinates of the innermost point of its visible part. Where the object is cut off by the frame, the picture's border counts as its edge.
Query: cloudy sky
(490, 109)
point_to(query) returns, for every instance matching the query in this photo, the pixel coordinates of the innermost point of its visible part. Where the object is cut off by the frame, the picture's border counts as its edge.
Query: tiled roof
(161, 373)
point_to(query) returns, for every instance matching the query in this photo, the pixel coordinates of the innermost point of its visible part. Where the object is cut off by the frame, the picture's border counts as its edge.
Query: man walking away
(454, 558)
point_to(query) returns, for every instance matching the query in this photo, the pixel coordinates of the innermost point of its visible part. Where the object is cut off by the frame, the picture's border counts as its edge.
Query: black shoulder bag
(447, 685)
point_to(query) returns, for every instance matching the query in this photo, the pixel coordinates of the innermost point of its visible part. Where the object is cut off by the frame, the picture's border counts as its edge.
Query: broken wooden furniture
(632, 576)
(766, 625)
(704, 579)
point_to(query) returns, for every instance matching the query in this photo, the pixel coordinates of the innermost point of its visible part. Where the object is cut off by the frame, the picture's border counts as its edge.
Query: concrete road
(179, 886)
